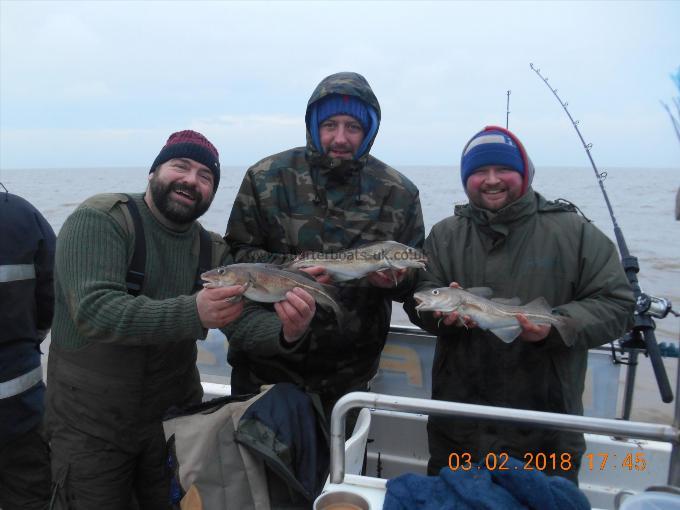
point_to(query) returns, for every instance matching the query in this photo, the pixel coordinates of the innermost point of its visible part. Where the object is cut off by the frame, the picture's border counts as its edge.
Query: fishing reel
(654, 306)
(646, 307)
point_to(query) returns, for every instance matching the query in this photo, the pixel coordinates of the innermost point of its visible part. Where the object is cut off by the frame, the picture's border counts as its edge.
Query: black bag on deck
(224, 451)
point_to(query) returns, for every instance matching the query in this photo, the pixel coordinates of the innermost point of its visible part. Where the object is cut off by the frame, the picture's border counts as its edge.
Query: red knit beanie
(193, 145)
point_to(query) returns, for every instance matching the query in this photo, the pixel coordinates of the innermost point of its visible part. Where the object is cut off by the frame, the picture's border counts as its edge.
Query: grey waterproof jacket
(528, 249)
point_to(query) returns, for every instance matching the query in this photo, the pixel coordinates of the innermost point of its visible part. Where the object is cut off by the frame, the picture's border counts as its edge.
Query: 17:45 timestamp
(603, 461)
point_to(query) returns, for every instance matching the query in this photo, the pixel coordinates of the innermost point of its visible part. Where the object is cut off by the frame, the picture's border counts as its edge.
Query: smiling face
(493, 187)
(341, 136)
(181, 189)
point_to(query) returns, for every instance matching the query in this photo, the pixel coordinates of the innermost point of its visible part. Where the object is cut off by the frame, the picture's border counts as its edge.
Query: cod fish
(495, 315)
(357, 262)
(268, 283)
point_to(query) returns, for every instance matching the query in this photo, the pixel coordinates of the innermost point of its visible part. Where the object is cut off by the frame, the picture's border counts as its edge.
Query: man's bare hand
(319, 274)
(386, 279)
(295, 313)
(451, 318)
(454, 318)
(215, 310)
(532, 332)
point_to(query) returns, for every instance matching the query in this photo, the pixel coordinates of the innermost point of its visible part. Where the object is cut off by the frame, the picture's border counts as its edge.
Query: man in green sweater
(120, 356)
(519, 244)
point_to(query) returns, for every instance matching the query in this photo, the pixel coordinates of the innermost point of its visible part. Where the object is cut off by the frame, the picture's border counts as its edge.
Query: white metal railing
(630, 429)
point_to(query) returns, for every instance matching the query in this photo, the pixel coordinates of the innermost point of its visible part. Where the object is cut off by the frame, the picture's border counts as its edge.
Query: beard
(177, 212)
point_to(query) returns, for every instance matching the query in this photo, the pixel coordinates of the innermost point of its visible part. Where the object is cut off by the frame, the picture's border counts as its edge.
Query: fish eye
(435, 292)
(220, 271)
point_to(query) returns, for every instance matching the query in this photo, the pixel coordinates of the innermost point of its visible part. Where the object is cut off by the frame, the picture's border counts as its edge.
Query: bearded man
(124, 335)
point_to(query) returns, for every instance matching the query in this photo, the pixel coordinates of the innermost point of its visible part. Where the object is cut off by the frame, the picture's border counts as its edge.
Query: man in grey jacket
(511, 239)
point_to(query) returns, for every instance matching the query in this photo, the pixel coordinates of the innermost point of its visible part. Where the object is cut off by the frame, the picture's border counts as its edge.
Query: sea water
(642, 199)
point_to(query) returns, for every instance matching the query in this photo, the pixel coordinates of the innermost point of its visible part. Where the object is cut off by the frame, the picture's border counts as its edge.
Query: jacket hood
(349, 84)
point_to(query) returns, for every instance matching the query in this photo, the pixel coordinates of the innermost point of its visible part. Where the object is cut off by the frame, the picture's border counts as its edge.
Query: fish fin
(269, 265)
(330, 289)
(293, 264)
(256, 286)
(538, 306)
(484, 292)
(566, 327)
(328, 296)
(508, 333)
(392, 269)
(383, 270)
(342, 278)
(298, 272)
(507, 301)
(239, 297)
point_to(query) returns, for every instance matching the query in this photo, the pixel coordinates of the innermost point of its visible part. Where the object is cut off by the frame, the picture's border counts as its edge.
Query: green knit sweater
(94, 249)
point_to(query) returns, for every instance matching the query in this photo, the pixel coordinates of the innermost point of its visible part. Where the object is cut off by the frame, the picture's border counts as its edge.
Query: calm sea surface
(643, 200)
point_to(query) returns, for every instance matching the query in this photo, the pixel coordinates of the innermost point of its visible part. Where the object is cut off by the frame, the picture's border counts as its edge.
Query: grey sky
(86, 84)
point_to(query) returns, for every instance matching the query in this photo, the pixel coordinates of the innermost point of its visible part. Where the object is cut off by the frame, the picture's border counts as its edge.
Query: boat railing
(604, 426)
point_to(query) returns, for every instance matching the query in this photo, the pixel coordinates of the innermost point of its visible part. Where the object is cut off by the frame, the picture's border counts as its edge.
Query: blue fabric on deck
(483, 489)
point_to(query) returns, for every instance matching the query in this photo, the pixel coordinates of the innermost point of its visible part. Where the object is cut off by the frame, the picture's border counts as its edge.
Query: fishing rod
(646, 306)
(507, 111)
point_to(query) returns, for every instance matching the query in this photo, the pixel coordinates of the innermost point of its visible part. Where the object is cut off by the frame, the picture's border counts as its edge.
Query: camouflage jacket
(299, 201)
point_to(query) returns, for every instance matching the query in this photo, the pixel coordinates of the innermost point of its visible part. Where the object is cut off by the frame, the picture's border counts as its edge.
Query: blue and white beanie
(343, 104)
(495, 146)
(337, 104)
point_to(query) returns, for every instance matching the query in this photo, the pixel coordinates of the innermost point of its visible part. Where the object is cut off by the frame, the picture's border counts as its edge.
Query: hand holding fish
(451, 318)
(503, 317)
(295, 313)
(386, 279)
(532, 332)
(318, 273)
(267, 283)
(456, 319)
(215, 309)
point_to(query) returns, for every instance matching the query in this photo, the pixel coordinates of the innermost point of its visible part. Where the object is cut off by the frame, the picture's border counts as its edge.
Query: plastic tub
(651, 501)
(341, 500)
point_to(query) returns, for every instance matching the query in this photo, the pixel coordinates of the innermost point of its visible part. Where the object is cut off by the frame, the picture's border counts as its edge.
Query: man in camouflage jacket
(326, 197)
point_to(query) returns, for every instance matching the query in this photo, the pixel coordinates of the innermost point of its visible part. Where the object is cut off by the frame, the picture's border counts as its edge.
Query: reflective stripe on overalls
(20, 384)
(14, 272)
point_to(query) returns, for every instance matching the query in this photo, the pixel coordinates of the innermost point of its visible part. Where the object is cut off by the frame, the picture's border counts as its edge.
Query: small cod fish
(268, 283)
(495, 315)
(357, 262)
